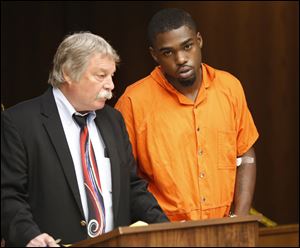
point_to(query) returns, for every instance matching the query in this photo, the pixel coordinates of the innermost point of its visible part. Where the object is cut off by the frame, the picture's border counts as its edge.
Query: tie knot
(80, 120)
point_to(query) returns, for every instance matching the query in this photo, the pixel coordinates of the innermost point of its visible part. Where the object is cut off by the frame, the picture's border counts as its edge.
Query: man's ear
(152, 52)
(200, 41)
(67, 78)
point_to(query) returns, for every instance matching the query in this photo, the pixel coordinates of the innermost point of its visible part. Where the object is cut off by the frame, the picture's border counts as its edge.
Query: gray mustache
(105, 94)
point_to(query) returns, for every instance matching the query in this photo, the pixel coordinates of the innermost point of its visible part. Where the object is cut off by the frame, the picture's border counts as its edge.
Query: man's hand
(43, 240)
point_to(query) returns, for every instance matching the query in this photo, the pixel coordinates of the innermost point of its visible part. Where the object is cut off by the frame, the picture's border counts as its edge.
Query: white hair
(73, 54)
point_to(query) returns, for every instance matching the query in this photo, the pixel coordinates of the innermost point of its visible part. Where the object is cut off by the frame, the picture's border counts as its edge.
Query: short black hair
(168, 19)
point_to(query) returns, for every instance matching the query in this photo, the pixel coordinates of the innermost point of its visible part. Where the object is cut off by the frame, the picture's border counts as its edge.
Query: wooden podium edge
(166, 226)
(186, 224)
(282, 229)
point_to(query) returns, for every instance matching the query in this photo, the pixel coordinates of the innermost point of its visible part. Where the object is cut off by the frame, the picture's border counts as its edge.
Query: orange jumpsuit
(187, 150)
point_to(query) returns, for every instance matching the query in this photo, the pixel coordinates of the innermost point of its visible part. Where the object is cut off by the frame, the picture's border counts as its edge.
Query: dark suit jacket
(39, 191)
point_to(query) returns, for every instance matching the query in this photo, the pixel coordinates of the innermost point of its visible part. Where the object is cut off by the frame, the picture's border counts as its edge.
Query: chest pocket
(226, 149)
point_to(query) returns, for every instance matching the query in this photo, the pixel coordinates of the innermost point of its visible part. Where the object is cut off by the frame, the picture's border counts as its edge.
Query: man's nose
(109, 83)
(181, 58)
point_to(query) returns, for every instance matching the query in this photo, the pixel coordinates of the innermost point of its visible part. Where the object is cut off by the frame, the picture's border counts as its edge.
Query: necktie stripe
(95, 182)
(99, 214)
(96, 173)
(93, 166)
(98, 219)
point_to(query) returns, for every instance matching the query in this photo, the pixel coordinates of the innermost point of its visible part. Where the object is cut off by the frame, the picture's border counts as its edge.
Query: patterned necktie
(92, 184)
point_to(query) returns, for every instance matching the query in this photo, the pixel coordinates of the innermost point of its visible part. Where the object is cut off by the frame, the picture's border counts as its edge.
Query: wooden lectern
(236, 231)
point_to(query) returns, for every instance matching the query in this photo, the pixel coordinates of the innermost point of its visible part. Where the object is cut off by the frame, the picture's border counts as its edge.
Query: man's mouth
(185, 72)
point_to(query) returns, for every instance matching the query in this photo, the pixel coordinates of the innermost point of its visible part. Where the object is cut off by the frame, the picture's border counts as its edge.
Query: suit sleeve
(17, 224)
(143, 205)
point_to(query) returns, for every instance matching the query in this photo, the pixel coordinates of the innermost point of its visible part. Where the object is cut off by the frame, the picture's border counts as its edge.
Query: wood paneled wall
(256, 41)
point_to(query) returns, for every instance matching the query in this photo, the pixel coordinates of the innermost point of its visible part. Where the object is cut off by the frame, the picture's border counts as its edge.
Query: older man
(67, 169)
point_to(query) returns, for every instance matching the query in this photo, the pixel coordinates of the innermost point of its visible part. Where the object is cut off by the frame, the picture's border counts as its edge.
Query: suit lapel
(54, 128)
(107, 133)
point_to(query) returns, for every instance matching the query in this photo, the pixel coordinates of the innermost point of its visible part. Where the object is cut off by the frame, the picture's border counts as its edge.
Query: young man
(67, 169)
(190, 127)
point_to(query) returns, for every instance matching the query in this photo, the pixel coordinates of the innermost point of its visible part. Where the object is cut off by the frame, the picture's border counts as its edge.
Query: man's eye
(167, 53)
(188, 46)
(101, 76)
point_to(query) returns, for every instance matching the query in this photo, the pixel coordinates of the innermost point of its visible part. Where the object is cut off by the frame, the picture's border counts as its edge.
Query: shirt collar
(208, 75)
(66, 108)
